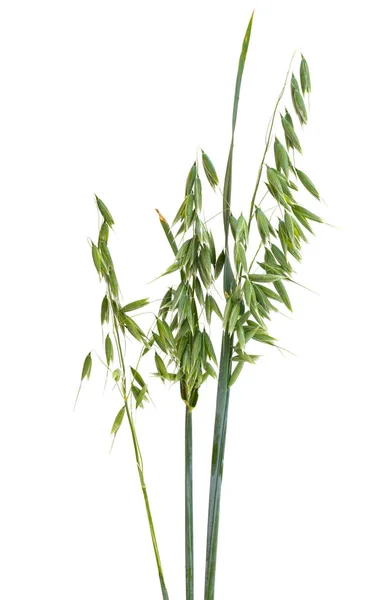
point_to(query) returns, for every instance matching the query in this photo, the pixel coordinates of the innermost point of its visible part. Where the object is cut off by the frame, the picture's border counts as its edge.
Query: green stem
(139, 462)
(189, 516)
(220, 429)
(267, 144)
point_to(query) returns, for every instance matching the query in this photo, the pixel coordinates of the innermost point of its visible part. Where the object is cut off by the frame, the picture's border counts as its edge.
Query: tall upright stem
(220, 428)
(189, 516)
(222, 400)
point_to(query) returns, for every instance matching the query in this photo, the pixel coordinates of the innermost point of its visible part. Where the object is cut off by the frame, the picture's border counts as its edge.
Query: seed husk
(300, 107)
(168, 232)
(118, 420)
(137, 376)
(135, 305)
(308, 184)
(116, 374)
(161, 367)
(304, 212)
(305, 76)
(133, 328)
(103, 233)
(274, 181)
(105, 253)
(209, 170)
(280, 257)
(209, 347)
(240, 336)
(281, 157)
(289, 226)
(87, 367)
(198, 193)
(211, 245)
(262, 224)
(240, 257)
(210, 370)
(109, 350)
(280, 287)
(105, 310)
(105, 212)
(235, 373)
(97, 259)
(268, 292)
(190, 180)
(290, 134)
(265, 278)
(199, 291)
(113, 282)
(219, 264)
(141, 396)
(205, 266)
(234, 315)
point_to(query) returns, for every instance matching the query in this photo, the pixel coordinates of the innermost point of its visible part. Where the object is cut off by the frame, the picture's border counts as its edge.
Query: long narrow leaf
(222, 400)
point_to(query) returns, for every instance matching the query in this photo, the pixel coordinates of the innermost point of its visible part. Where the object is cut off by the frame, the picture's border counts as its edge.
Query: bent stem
(189, 516)
(139, 461)
(267, 144)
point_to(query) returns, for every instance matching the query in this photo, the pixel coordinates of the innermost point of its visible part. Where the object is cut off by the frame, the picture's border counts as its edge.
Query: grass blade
(228, 174)
(222, 400)
(240, 70)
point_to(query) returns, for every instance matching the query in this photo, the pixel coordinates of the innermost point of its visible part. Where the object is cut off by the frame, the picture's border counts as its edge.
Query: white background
(114, 98)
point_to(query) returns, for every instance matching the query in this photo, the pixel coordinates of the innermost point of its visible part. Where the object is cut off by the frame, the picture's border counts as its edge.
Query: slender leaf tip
(249, 29)
(161, 217)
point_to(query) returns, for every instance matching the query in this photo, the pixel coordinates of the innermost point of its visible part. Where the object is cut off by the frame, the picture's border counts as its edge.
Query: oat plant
(116, 319)
(239, 286)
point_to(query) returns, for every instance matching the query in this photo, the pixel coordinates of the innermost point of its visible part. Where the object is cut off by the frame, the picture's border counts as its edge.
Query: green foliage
(121, 326)
(257, 264)
(179, 337)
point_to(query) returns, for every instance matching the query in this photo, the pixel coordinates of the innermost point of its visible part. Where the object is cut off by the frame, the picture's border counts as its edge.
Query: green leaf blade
(240, 71)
